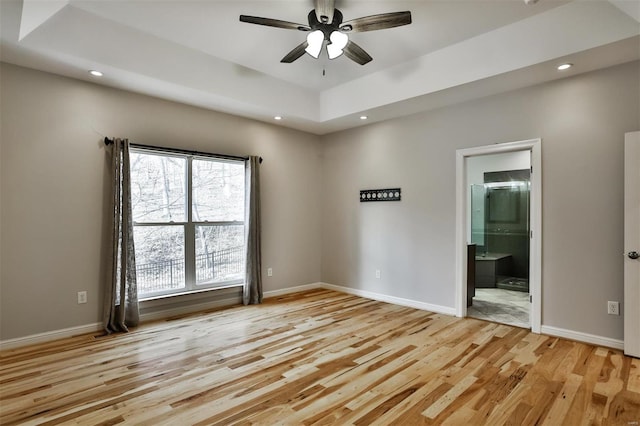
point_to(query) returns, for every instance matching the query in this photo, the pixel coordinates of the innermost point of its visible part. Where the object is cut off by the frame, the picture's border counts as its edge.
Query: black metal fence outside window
(219, 266)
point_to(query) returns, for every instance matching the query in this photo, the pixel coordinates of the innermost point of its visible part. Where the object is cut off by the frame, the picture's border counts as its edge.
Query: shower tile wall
(507, 222)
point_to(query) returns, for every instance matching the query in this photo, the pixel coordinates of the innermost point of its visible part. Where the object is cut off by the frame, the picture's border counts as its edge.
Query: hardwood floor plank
(582, 411)
(448, 398)
(318, 357)
(563, 400)
(633, 384)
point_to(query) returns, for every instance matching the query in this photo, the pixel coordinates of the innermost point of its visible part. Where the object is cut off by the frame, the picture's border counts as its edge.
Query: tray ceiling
(198, 52)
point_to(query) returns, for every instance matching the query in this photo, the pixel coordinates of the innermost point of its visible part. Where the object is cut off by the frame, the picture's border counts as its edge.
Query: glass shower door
(478, 237)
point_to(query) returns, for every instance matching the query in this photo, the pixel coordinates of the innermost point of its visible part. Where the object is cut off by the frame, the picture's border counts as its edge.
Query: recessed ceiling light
(363, 117)
(277, 117)
(95, 73)
(564, 67)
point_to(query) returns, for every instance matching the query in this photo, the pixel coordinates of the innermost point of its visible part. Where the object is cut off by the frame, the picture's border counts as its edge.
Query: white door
(632, 244)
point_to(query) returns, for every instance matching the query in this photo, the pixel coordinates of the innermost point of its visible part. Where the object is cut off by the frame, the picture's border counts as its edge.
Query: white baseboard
(165, 313)
(366, 294)
(152, 316)
(190, 309)
(582, 337)
(49, 336)
(296, 289)
(392, 299)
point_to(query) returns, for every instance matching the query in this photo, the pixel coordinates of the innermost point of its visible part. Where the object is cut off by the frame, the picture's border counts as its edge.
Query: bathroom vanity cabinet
(491, 268)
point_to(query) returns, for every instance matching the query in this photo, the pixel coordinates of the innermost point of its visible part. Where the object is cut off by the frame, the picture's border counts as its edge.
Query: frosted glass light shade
(314, 41)
(338, 42)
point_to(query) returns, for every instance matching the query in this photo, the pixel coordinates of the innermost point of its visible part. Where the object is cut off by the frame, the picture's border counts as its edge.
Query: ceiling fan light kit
(325, 24)
(315, 40)
(338, 41)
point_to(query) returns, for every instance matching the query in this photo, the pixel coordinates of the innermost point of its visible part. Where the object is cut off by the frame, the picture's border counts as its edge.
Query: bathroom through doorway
(499, 194)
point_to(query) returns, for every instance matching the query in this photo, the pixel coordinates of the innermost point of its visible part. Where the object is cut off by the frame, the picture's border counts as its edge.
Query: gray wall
(582, 121)
(54, 190)
(54, 179)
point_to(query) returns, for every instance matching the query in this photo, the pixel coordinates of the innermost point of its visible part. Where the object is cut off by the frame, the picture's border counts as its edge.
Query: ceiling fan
(325, 24)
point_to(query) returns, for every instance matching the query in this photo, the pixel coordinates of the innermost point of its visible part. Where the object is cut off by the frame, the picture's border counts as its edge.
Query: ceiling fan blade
(273, 23)
(324, 10)
(377, 22)
(297, 52)
(356, 53)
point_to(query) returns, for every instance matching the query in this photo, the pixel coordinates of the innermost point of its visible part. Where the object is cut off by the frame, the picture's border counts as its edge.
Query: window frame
(189, 226)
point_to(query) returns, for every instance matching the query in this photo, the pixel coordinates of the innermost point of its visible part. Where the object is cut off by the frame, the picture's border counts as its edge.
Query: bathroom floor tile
(503, 306)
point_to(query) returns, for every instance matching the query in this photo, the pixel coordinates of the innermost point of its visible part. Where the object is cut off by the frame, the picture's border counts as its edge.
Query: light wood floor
(319, 357)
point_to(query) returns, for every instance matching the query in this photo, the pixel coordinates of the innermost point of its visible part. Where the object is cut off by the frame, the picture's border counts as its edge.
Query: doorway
(498, 228)
(498, 215)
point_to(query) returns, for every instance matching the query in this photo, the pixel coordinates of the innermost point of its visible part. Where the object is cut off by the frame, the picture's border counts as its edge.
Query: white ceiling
(198, 52)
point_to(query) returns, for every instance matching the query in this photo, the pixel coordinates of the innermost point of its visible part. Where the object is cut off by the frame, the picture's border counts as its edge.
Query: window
(188, 214)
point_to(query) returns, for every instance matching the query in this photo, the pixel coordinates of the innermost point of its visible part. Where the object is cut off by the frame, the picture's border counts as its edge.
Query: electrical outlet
(378, 273)
(82, 297)
(613, 308)
(269, 272)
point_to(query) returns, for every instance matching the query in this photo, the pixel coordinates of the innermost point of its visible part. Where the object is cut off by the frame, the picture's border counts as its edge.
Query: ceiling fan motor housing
(327, 28)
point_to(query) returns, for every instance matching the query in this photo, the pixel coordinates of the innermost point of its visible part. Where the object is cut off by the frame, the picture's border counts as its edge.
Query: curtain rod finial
(107, 141)
(260, 160)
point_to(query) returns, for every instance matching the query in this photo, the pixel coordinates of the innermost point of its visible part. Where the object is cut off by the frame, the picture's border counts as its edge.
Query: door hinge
(531, 169)
(530, 299)
(531, 234)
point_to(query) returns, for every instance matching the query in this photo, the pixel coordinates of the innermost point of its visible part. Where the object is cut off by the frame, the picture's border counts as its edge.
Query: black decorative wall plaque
(392, 194)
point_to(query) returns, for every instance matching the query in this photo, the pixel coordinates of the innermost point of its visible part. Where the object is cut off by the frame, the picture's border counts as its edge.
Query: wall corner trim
(582, 337)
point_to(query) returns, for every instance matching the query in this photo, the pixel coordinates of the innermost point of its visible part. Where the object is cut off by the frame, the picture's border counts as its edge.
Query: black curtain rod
(108, 141)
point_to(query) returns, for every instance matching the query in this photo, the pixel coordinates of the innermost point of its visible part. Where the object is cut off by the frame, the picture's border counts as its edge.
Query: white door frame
(535, 252)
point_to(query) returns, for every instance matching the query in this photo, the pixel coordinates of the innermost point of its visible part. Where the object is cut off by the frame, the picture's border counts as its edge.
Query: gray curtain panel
(121, 295)
(252, 293)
